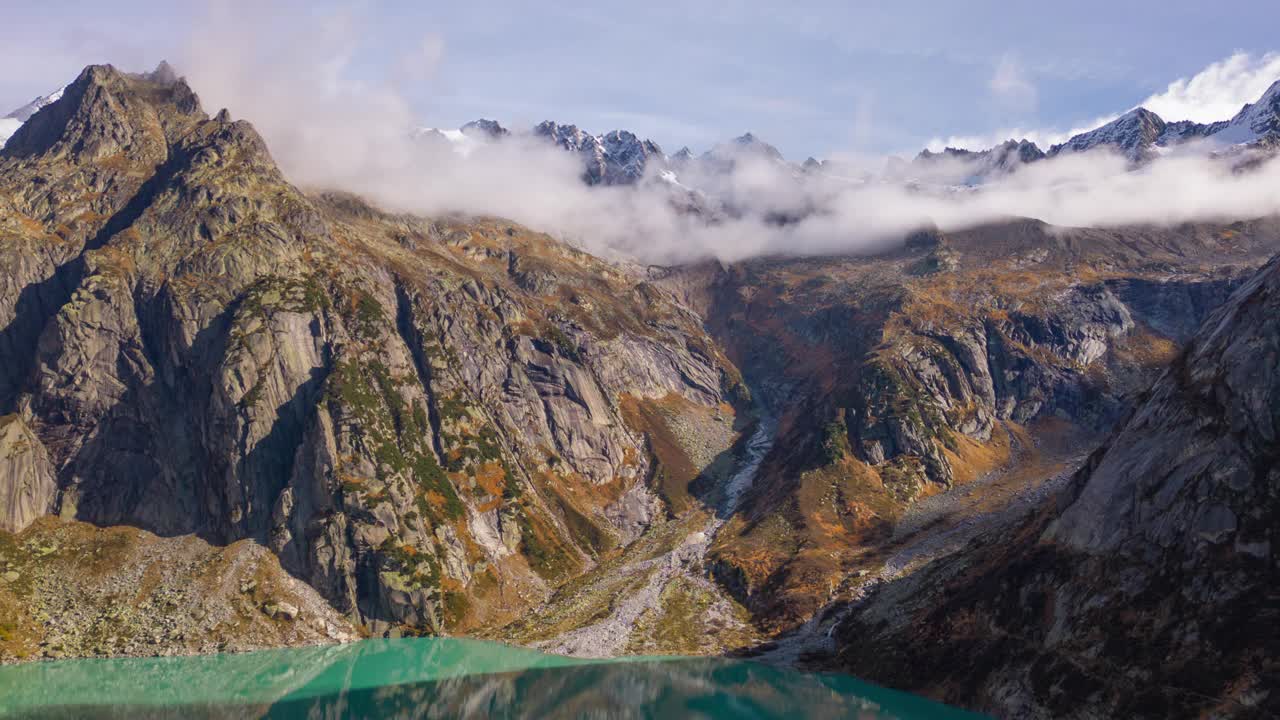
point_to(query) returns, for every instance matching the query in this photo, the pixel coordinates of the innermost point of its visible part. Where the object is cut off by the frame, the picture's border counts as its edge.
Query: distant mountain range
(1139, 135)
(620, 157)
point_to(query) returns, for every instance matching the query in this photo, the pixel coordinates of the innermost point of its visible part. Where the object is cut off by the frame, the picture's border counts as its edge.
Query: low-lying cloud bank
(326, 130)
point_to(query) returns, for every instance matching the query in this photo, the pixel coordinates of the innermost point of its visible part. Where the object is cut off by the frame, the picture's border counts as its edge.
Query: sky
(813, 78)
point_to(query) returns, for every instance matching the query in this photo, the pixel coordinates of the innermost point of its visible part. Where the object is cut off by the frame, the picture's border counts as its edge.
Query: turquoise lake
(440, 678)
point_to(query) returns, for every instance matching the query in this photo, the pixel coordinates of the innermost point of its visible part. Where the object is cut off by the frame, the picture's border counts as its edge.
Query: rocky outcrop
(1147, 589)
(69, 589)
(27, 484)
(420, 418)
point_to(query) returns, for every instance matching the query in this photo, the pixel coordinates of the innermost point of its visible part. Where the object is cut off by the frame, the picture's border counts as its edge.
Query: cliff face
(27, 486)
(1148, 589)
(421, 419)
(907, 374)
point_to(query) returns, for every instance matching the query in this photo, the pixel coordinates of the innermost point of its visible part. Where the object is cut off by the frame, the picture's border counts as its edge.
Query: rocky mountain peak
(568, 137)
(164, 74)
(25, 112)
(1255, 121)
(401, 409)
(618, 157)
(485, 128)
(975, 167)
(1025, 150)
(750, 142)
(1132, 135)
(105, 112)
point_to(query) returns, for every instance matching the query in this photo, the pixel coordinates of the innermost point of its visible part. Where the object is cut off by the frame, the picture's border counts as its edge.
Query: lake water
(440, 678)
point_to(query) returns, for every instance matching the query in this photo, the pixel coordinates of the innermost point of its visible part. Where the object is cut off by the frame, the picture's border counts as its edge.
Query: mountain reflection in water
(440, 678)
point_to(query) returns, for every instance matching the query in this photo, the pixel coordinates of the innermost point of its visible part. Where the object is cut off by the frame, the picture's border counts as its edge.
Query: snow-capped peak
(25, 112)
(615, 158)
(483, 127)
(465, 139)
(1254, 121)
(1132, 134)
(10, 123)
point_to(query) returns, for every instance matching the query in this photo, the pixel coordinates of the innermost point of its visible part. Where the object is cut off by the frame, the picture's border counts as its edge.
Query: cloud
(292, 76)
(1010, 85)
(419, 63)
(1045, 138)
(1219, 91)
(1215, 93)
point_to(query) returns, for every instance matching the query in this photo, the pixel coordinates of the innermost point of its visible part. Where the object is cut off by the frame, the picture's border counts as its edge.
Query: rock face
(897, 377)
(486, 128)
(615, 158)
(419, 418)
(1148, 589)
(1133, 135)
(27, 484)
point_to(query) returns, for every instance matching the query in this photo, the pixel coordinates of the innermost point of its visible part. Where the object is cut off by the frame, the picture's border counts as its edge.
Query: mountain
(725, 157)
(1147, 588)
(972, 168)
(615, 158)
(952, 376)
(304, 418)
(1141, 135)
(682, 156)
(1133, 135)
(430, 423)
(1255, 122)
(465, 139)
(486, 128)
(10, 123)
(25, 112)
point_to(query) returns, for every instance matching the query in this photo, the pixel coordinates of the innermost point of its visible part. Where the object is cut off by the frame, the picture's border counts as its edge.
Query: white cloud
(1011, 86)
(328, 131)
(1215, 93)
(419, 63)
(1219, 91)
(1043, 137)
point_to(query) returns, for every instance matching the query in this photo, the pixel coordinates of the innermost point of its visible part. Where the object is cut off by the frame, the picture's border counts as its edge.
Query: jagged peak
(1270, 97)
(747, 142)
(1133, 133)
(164, 74)
(1138, 113)
(99, 113)
(485, 127)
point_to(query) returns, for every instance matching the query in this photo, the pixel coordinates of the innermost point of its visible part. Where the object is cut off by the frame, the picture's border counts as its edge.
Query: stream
(608, 637)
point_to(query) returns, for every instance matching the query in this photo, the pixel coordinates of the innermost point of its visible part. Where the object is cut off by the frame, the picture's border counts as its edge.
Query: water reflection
(440, 678)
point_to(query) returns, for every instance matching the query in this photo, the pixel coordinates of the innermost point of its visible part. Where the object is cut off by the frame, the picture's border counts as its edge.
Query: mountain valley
(989, 464)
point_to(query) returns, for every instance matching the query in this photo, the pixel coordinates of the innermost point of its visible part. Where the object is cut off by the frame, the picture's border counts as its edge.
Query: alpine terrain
(1022, 468)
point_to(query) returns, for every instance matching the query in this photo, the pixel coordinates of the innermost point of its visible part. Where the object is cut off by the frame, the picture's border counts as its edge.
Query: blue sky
(814, 78)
